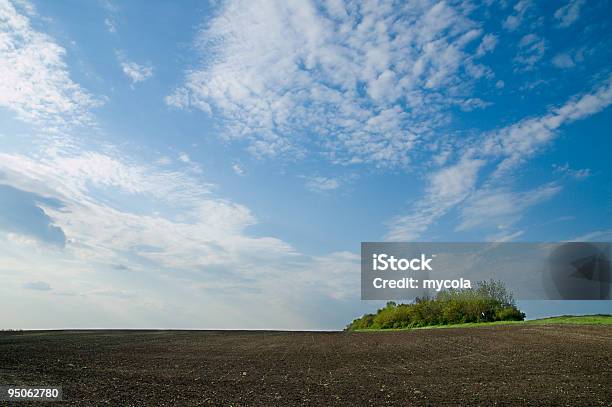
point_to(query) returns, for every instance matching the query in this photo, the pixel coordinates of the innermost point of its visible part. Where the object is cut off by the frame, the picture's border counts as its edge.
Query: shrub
(489, 301)
(509, 313)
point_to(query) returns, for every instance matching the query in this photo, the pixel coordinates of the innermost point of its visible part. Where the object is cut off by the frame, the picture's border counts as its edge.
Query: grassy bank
(599, 319)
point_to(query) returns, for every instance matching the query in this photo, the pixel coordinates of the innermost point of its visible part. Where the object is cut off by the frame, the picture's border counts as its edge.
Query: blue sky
(217, 165)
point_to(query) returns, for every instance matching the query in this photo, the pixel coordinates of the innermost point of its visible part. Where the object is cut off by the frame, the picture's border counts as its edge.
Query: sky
(216, 165)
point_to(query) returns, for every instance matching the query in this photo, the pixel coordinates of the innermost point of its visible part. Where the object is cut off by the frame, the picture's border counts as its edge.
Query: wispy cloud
(568, 59)
(35, 82)
(164, 160)
(110, 21)
(135, 72)
(487, 45)
(110, 25)
(504, 150)
(514, 20)
(238, 169)
(104, 209)
(446, 188)
(569, 13)
(531, 49)
(579, 174)
(501, 208)
(188, 237)
(322, 184)
(355, 82)
(99, 207)
(521, 140)
(505, 236)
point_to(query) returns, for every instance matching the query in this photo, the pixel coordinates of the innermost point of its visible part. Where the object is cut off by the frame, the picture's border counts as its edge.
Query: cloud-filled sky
(217, 165)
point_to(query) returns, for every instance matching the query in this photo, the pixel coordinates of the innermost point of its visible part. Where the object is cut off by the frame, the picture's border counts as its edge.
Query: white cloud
(531, 50)
(25, 7)
(563, 61)
(164, 160)
(446, 188)
(569, 13)
(488, 44)
(569, 59)
(110, 21)
(322, 184)
(334, 275)
(520, 141)
(34, 79)
(238, 170)
(181, 238)
(155, 233)
(500, 207)
(503, 150)
(110, 25)
(356, 82)
(578, 174)
(67, 176)
(136, 73)
(505, 236)
(513, 21)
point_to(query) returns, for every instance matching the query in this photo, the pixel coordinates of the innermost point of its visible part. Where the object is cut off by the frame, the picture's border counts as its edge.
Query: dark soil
(507, 365)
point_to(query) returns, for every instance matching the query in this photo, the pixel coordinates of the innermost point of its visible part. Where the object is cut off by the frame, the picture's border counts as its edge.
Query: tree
(497, 291)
